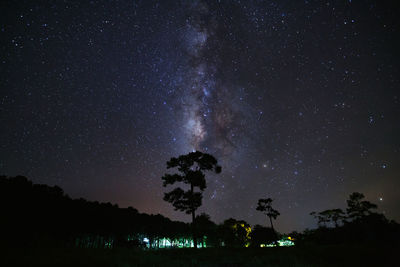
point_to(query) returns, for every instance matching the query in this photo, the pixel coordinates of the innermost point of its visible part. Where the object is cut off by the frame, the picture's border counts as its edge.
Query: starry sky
(298, 101)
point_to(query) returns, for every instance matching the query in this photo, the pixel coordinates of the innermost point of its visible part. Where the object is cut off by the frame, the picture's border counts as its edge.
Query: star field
(298, 101)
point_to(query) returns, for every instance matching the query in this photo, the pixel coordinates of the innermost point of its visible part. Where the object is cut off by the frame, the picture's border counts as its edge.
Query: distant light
(281, 243)
(146, 240)
(381, 199)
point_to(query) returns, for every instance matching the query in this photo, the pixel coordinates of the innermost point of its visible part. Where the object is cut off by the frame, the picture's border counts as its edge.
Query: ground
(292, 256)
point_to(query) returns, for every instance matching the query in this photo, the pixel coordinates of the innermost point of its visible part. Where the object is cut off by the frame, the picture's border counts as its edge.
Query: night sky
(298, 100)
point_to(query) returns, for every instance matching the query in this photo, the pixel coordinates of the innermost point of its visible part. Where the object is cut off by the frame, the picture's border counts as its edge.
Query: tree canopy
(357, 207)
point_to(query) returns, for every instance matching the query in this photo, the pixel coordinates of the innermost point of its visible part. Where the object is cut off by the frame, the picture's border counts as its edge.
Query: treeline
(35, 215)
(41, 215)
(360, 223)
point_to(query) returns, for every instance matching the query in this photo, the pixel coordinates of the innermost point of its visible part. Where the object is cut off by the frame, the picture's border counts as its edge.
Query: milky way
(211, 113)
(198, 84)
(298, 101)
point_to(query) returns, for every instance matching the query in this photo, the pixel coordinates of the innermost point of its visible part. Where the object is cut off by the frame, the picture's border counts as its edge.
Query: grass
(291, 256)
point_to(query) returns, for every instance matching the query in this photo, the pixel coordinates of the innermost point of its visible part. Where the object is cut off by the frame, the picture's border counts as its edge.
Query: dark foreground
(293, 256)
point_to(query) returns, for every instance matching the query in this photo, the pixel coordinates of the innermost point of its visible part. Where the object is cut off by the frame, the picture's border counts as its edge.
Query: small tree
(235, 233)
(337, 215)
(262, 235)
(191, 168)
(326, 216)
(264, 205)
(321, 217)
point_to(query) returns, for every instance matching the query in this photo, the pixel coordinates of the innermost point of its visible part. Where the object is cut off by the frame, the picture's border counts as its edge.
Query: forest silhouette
(42, 216)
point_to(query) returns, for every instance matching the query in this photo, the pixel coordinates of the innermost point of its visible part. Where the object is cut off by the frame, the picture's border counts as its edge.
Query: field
(292, 256)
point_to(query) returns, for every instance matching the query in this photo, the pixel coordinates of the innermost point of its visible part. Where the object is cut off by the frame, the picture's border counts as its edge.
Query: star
(96, 100)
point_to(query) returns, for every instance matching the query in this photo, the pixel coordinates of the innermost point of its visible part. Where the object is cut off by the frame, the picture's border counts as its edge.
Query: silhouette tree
(262, 235)
(235, 233)
(191, 169)
(264, 205)
(326, 216)
(357, 207)
(64, 222)
(336, 215)
(359, 225)
(206, 230)
(321, 217)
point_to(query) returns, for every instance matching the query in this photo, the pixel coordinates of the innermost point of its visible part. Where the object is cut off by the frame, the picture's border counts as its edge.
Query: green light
(281, 243)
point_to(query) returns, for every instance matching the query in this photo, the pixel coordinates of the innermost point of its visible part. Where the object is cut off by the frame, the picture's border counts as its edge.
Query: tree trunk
(193, 220)
(194, 230)
(272, 226)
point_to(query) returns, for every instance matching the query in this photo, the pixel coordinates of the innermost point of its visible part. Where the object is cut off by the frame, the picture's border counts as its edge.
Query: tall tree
(191, 168)
(264, 205)
(357, 207)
